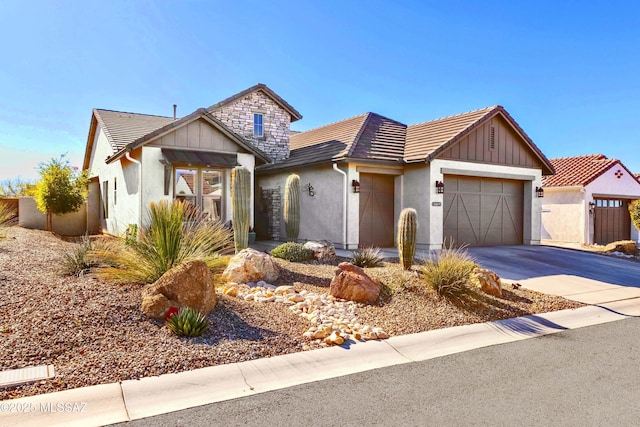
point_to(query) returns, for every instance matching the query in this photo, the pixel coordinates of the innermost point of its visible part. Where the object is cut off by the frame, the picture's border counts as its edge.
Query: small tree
(61, 189)
(634, 211)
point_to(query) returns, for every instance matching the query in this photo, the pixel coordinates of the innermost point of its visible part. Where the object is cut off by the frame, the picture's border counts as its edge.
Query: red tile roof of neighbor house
(580, 170)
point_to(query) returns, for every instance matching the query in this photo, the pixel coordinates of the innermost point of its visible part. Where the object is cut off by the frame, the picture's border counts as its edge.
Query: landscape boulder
(627, 247)
(323, 250)
(250, 265)
(487, 281)
(352, 283)
(187, 285)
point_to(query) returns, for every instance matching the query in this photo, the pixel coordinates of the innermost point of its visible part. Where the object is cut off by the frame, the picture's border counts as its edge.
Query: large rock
(627, 247)
(187, 285)
(250, 265)
(487, 281)
(323, 250)
(352, 283)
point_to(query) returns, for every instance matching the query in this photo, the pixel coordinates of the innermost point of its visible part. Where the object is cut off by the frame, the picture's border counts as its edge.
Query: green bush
(449, 272)
(174, 233)
(367, 257)
(292, 251)
(634, 211)
(188, 323)
(77, 260)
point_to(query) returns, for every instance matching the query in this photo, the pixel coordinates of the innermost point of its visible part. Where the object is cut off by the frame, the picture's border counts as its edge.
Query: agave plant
(188, 323)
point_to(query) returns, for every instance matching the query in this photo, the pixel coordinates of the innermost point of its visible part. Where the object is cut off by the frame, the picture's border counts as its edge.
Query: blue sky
(567, 71)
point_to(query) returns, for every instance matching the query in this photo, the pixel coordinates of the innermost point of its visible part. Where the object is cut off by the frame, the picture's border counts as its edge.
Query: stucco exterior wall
(565, 215)
(71, 224)
(321, 216)
(238, 116)
(416, 195)
(123, 201)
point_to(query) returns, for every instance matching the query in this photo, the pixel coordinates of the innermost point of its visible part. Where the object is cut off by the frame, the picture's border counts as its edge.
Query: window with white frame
(257, 125)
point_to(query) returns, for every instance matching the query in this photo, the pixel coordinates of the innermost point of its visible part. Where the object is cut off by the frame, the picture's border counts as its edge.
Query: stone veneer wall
(272, 207)
(276, 123)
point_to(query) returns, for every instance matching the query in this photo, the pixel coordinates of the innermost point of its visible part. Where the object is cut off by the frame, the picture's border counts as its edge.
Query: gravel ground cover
(94, 332)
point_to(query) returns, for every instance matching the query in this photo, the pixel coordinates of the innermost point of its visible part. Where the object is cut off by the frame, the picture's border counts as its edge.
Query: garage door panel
(483, 211)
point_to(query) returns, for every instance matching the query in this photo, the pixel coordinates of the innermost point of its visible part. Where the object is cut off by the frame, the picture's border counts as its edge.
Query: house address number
(436, 203)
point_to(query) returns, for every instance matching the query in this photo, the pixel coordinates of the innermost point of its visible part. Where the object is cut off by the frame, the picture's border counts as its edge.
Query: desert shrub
(7, 215)
(174, 233)
(77, 260)
(634, 211)
(449, 271)
(187, 322)
(367, 257)
(292, 251)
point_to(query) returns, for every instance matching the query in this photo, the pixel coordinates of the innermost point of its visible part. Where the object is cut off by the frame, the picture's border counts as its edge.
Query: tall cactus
(407, 229)
(241, 201)
(292, 206)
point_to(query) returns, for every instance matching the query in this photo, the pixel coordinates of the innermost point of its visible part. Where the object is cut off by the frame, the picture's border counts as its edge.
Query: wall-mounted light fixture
(310, 189)
(592, 206)
(356, 185)
(439, 187)
(539, 192)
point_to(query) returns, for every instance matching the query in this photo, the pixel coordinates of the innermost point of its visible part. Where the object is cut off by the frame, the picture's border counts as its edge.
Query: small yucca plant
(367, 257)
(77, 260)
(449, 272)
(187, 322)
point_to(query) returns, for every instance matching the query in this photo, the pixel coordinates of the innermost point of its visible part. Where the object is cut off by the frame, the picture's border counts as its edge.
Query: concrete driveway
(577, 275)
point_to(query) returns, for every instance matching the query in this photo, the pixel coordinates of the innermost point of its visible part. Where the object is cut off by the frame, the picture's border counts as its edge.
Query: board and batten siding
(197, 135)
(508, 148)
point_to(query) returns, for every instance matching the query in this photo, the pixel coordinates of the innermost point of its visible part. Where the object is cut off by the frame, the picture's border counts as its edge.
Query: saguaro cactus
(292, 206)
(407, 229)
(240, 199)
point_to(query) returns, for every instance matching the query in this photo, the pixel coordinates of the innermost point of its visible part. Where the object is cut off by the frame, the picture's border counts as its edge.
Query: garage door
(376, 210)
(483, 211)
(611, 221)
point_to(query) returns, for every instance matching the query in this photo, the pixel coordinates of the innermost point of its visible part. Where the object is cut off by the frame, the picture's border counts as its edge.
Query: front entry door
(376, 210)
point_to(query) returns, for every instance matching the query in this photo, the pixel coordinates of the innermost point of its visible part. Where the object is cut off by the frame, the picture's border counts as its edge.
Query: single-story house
(134, 159)
(473, 178)
(587, 200)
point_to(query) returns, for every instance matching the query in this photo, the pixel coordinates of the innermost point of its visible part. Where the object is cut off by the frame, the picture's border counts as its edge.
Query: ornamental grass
(174, 233)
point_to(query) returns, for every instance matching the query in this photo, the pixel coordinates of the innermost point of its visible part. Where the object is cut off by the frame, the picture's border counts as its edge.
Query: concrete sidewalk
(135, 399)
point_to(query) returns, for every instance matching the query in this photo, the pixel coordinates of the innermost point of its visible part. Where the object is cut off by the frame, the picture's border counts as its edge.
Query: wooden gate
(612, 221)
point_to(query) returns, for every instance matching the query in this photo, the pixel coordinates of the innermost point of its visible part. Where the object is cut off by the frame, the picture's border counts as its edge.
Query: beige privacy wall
(72, 224)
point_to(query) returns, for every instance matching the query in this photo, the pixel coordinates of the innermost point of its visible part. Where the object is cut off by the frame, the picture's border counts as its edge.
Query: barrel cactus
(407, 229)
(292, 206)
(241, 203)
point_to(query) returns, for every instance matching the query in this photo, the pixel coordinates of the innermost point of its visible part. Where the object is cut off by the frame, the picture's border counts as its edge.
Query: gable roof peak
(472, 112)
(295, 115)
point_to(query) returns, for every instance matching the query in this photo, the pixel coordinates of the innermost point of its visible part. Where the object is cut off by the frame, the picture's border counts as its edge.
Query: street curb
(134, 399)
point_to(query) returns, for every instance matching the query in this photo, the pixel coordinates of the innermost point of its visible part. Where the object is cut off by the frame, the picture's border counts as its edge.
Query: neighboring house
(587, 200)
(471, 177)
(135, 159)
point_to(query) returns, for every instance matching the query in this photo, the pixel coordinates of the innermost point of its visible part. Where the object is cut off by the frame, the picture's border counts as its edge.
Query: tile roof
(423, 139)
(579, 170)
(368, 136)
(123, 128)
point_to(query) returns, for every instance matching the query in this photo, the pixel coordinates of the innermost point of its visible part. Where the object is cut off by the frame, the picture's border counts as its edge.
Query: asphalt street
(581, 377)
